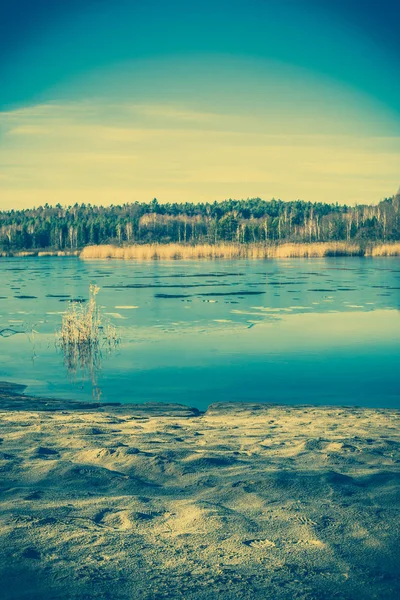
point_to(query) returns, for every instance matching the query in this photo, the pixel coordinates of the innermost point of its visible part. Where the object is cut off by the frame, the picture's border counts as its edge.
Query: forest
(240, 221)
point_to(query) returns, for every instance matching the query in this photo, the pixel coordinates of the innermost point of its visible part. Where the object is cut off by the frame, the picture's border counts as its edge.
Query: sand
(155, 501)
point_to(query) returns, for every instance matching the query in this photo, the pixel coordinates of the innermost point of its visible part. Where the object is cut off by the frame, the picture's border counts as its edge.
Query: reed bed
(227, 251)
(384, 250)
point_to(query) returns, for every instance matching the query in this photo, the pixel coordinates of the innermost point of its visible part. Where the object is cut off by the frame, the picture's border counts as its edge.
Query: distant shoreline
(39, 253)
(218, 251)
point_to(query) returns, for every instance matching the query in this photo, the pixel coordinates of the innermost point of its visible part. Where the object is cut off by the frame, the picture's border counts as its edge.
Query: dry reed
(227, 251)
(384, 250)
(83, 336)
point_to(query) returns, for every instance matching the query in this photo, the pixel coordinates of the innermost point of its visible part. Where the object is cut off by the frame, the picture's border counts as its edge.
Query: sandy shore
(242, 502)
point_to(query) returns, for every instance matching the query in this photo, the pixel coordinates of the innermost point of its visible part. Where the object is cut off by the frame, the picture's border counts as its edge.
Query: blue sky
(120, 101)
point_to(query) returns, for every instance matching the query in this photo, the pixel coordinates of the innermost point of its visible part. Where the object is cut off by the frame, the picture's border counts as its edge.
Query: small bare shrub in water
(85, 334)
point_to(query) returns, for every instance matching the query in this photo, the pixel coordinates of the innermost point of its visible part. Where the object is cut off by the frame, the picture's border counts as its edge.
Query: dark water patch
(79, 300)
(276, 283)
(15, 269)
(242, 293)
(343, 269)
(25, 297)
(346, 289)
(58, 296)
(180, 275)
(142, 286)
(321, 290)
(171, 295)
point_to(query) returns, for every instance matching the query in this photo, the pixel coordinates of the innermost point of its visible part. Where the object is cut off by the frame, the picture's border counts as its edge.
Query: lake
(296, 331)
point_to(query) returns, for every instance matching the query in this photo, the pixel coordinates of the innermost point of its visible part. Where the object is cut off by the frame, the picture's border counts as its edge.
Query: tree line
(242, 221)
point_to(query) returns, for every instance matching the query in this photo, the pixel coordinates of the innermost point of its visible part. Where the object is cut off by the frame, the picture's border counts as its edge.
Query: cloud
(174, 113)
(29, 130)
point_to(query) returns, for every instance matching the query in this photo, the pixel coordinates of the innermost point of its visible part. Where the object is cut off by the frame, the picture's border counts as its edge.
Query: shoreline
(13, 398)
(228, 251)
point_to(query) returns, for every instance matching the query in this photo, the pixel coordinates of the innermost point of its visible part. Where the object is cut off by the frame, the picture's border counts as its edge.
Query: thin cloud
(29, 130)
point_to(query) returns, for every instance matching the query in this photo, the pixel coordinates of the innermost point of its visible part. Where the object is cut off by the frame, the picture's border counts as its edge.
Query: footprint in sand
(260, 544)
(36, 495)
(31, 553)
(118, 520)
(45, 453)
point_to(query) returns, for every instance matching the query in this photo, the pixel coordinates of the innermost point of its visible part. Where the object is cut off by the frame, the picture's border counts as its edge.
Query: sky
(116, 101)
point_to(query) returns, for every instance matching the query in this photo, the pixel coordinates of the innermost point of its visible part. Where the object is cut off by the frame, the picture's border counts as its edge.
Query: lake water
(320, 331)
